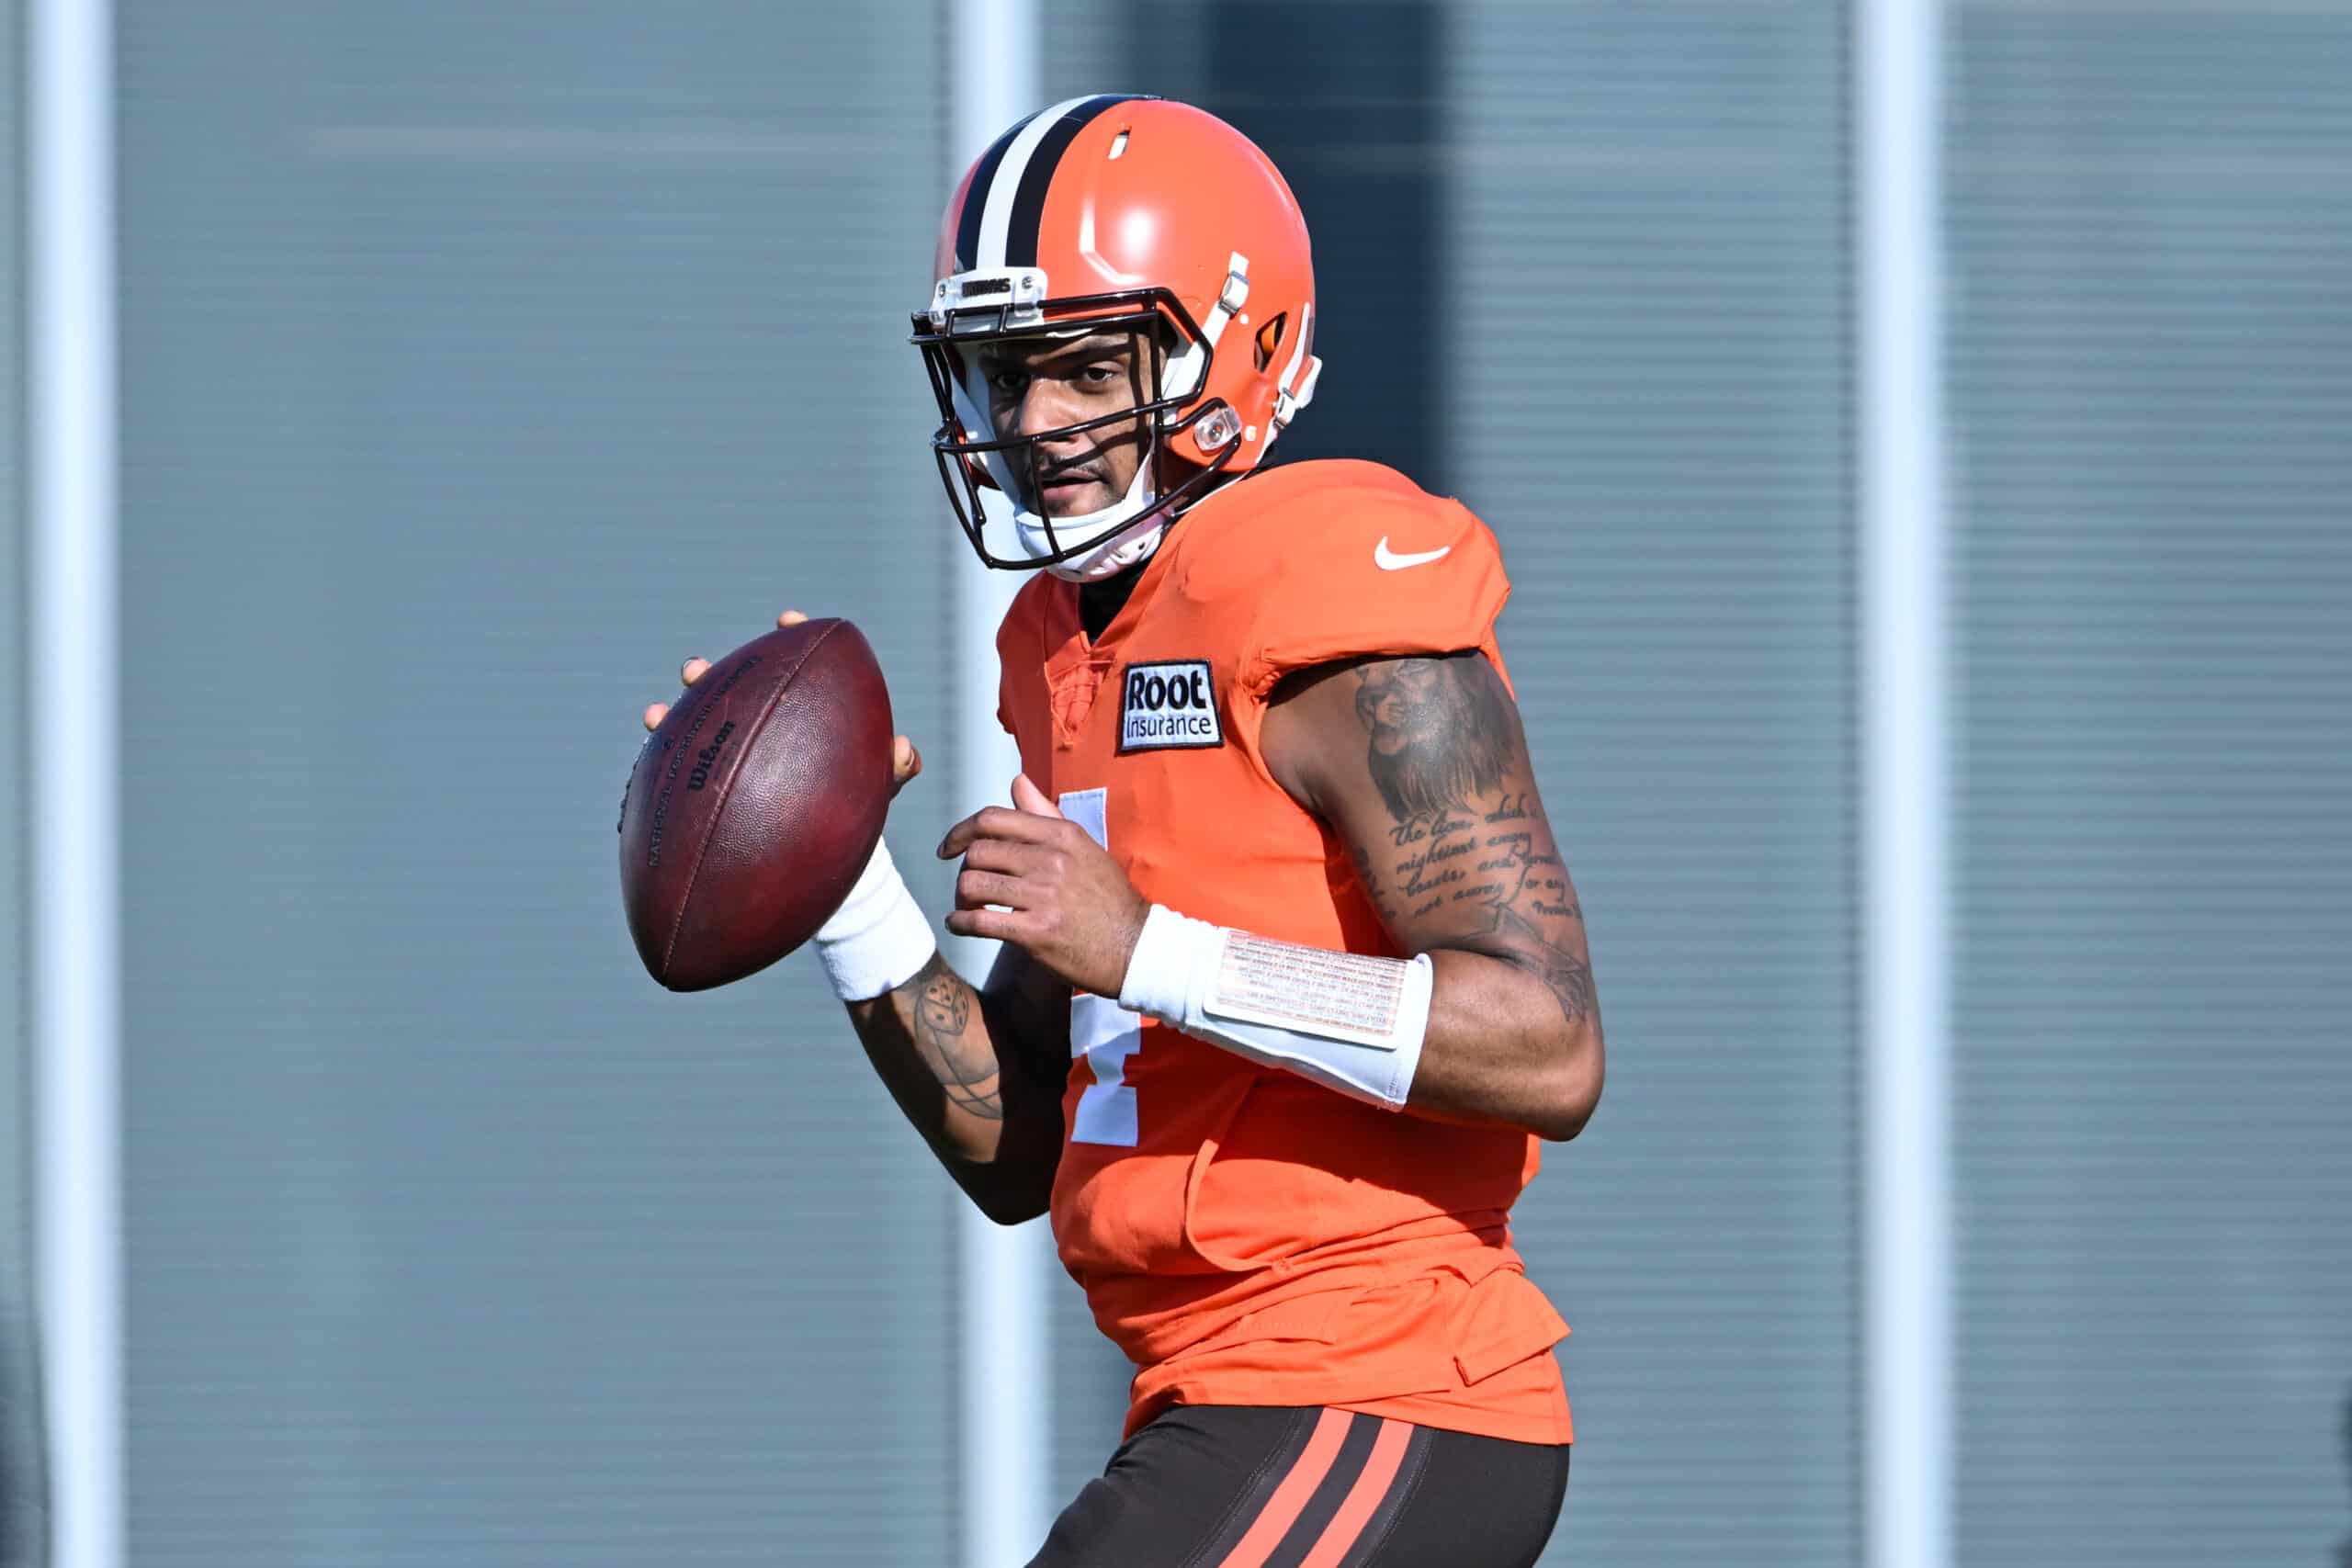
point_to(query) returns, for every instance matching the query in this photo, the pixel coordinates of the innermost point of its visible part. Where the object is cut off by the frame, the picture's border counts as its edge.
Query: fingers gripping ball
(755, 804)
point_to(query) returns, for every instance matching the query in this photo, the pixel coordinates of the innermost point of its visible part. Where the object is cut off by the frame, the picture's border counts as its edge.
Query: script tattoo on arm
(1471, 861)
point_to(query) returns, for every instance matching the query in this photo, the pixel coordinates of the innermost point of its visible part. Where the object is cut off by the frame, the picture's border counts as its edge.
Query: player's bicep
(1421, 766)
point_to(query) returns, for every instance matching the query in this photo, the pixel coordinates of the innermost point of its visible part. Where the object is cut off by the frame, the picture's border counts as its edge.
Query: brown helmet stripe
(1038, 175)
(976, 197)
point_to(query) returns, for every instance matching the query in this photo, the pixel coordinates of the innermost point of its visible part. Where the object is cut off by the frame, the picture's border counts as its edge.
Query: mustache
(1094, 462)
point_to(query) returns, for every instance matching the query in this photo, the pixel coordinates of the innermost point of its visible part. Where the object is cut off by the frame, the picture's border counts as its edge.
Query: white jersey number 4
(1102, 1031)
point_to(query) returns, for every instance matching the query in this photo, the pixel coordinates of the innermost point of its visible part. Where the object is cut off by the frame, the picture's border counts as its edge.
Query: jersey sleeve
(1369, 573)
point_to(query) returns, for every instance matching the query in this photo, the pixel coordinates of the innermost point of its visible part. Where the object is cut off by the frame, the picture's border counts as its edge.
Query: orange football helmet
(1106, 214)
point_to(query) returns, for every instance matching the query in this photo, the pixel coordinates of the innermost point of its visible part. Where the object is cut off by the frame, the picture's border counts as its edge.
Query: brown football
(755, 806)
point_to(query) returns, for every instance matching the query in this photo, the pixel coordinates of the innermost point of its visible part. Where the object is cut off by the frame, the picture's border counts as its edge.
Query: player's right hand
(905, 761)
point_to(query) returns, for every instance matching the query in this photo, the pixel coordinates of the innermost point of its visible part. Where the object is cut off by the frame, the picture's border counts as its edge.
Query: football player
(1293, 978)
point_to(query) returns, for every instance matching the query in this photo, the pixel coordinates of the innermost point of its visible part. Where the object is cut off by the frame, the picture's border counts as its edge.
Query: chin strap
(1117, 559)
(1140, 510)
(1121, 550)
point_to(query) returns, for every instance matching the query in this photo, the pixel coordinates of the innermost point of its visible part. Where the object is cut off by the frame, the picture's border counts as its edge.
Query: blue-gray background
(480, 362)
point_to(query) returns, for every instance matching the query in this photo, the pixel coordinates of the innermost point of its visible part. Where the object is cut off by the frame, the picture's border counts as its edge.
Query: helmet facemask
(993, 479)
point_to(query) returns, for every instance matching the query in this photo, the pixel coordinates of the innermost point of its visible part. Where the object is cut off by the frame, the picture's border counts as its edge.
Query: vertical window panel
(481, 363)
(1644, 310)
(2151, 352)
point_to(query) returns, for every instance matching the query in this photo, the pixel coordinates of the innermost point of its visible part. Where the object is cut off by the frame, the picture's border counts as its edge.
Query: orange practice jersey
(1245, 1236)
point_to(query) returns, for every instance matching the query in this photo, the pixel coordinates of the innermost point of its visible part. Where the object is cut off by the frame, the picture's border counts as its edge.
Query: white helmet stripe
(1004, 190)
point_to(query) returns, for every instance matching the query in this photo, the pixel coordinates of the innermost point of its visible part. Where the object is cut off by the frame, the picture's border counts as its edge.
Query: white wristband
(1349, 1021)
(878, 939)
(1160, 972)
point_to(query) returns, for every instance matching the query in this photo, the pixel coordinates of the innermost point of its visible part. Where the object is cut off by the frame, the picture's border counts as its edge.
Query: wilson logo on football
(709, 755)
(1168, 705)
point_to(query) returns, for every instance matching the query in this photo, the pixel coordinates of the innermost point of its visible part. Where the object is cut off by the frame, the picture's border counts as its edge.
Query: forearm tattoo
(1442, 747)
(942, 1017)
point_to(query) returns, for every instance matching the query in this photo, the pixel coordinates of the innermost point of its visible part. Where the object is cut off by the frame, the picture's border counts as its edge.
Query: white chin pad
(1115, 553)
(1115, 537)
(1112, 539)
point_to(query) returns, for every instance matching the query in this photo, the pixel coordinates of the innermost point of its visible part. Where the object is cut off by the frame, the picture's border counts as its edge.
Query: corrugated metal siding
(481, 363)
(2152, 235)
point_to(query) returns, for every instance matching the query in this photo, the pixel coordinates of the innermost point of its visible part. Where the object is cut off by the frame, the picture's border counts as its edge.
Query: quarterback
(1294, 979)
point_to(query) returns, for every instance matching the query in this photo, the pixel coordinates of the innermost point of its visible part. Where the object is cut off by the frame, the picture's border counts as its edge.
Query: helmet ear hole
(1270, 338)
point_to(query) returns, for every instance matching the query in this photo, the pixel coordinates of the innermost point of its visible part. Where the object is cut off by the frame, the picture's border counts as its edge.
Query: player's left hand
(1066, 902)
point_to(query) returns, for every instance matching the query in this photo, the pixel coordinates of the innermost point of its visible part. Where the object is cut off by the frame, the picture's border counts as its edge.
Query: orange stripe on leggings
(1282, 1510)
(1371, 1487)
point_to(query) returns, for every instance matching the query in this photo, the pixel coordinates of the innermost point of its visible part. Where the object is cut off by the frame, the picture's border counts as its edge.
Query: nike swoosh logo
(1387, 560)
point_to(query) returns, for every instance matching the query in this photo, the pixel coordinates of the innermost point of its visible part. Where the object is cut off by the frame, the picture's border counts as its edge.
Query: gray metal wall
(479, 363)
(2152, 235)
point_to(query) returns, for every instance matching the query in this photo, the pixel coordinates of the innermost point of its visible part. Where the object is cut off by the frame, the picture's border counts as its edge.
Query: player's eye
(1096, 377)
(1007, 382)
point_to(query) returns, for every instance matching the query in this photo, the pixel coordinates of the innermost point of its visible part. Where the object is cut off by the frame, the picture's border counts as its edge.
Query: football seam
(726, 790)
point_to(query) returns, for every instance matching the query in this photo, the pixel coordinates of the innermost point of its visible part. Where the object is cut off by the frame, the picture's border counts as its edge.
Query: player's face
(1036, 385)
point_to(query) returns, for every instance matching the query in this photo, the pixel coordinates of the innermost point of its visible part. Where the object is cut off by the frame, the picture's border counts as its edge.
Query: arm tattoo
(1567, 976)
(943, 1013)
(1440, 732)
(1374, 886)
(1442, 745)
